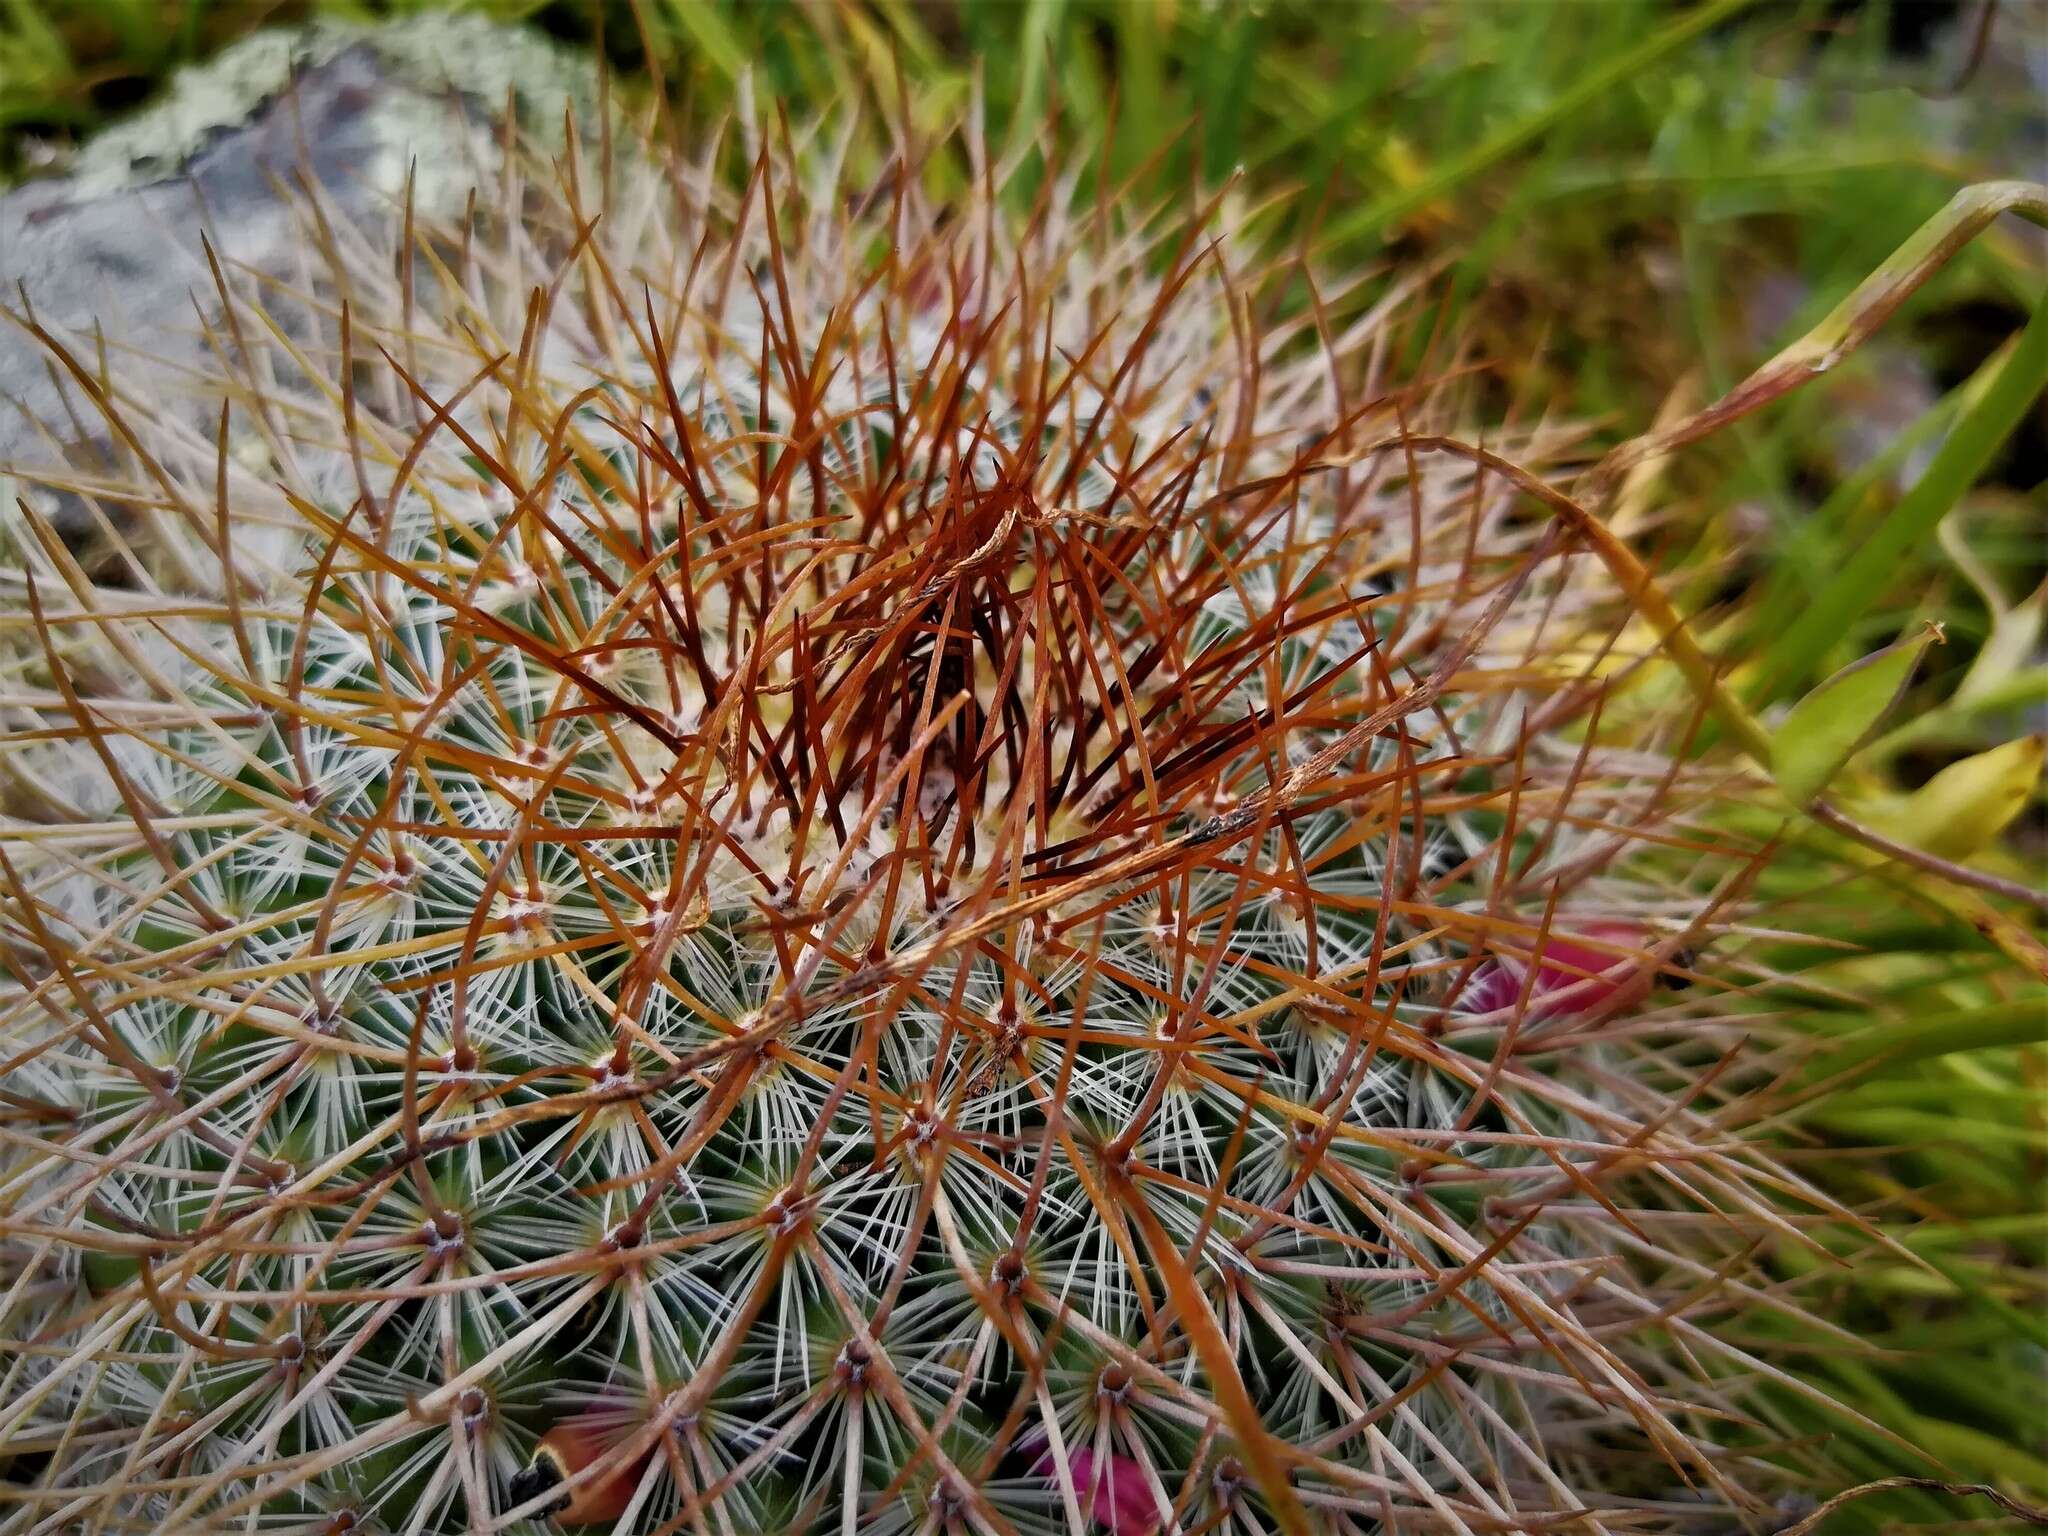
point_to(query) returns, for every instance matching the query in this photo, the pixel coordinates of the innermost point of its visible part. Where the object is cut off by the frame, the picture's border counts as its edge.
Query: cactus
(833, 858)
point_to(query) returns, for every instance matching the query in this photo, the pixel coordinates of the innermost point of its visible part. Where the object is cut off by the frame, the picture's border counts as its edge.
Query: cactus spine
(928, 864)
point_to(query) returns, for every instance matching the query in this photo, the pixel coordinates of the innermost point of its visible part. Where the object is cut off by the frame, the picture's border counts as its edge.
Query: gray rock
(110, 261)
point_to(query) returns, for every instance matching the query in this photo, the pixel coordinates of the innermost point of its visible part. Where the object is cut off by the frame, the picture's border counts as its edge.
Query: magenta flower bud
(1119, 1499)
(1577, 972)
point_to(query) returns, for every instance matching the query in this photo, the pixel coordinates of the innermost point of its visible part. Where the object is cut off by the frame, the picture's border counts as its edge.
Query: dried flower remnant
(833, 817)
(569, 1470)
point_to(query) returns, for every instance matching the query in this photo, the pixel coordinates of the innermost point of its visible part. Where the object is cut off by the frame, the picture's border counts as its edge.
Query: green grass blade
(711, 35)
(1868, 573)
(1611, 74)
(2022, 1022)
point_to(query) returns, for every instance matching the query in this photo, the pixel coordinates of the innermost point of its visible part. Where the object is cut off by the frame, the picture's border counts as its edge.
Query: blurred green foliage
(1623, 203)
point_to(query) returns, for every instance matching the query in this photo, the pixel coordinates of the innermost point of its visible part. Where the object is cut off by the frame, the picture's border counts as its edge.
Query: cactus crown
(888, 864)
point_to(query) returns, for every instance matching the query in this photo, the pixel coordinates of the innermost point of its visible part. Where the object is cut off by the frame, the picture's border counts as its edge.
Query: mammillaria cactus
(860, 861)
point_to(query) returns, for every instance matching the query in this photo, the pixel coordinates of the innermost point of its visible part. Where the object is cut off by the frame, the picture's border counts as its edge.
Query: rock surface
(110, 258)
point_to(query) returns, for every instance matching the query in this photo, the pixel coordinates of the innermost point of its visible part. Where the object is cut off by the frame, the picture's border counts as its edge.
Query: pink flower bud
(1120, 1499)
(1572, 976)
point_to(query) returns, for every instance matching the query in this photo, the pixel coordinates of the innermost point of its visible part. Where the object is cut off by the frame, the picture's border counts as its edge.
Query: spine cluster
(818, 857)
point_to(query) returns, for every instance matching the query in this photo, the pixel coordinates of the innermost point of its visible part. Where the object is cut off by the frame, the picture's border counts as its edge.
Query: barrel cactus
(723, 853)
